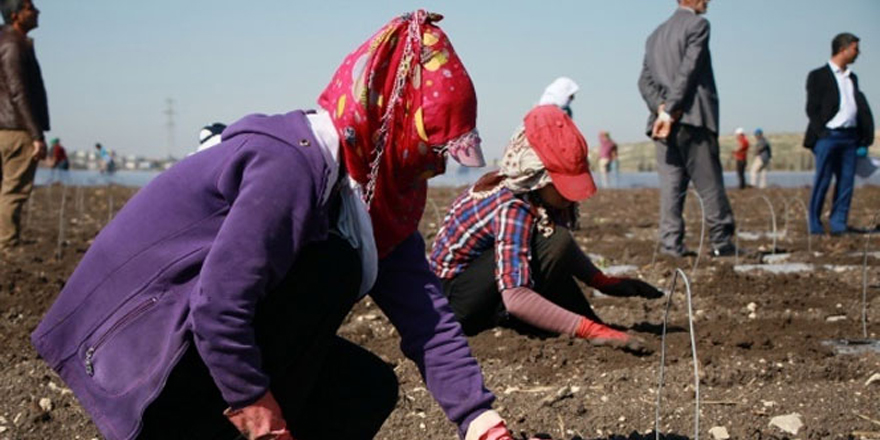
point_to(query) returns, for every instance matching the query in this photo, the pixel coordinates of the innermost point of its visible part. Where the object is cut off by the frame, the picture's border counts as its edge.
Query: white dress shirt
(846, 115)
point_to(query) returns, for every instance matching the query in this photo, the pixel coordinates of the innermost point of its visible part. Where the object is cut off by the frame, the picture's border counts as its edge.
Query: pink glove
(497, 432)
(500, 432)
(261, 420)
(489, 426)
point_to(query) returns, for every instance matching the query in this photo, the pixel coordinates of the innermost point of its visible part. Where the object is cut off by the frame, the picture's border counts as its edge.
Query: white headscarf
(559, 92)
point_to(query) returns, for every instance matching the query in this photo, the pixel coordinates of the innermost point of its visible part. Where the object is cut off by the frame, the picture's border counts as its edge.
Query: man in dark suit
(678, 85)
(840, 122)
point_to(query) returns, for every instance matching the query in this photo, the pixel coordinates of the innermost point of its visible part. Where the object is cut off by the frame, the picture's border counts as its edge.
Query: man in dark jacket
(24, 115)
(840, 122)
(678, 85)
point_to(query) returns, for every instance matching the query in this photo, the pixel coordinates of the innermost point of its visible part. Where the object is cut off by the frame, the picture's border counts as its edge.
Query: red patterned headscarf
(401, 102)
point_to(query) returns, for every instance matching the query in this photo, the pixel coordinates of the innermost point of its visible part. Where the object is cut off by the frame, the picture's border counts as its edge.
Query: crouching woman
(505, 251)
(208, 308)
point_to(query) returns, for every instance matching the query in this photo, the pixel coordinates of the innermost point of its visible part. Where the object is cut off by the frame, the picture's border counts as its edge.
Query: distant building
(88, 160)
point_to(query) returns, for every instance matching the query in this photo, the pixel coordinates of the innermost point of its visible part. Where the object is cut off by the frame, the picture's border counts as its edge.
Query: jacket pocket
(121, 352)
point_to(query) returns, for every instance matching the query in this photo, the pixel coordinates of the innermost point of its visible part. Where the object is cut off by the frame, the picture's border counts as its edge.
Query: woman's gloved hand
(624, 287)
(600, 334)
(497, 432)
(261, 420)
(488, 426)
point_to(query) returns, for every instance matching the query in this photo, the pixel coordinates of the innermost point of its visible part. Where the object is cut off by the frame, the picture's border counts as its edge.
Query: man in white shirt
(840, 122)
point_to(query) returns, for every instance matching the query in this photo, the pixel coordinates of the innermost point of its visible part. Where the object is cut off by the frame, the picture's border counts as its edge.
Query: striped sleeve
(513, 224)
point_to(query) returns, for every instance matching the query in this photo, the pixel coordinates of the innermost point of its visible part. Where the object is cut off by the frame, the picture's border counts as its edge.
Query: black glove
(624, 287)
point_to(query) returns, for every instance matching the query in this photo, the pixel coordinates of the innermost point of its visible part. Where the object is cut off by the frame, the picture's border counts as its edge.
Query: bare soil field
(758, 334)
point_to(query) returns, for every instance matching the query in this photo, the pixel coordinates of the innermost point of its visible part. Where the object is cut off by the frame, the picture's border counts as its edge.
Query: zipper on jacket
(134, 313)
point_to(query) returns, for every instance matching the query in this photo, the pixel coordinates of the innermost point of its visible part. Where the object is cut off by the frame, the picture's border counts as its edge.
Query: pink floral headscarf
(401, 102)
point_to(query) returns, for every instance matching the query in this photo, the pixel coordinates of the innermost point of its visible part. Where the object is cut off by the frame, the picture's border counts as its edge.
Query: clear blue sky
(109, 65)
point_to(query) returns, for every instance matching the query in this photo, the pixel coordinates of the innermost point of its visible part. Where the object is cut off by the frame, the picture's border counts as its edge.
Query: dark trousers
(326, 386)
(692, 153)
(835, 157)
(476, 301)
(741, 173)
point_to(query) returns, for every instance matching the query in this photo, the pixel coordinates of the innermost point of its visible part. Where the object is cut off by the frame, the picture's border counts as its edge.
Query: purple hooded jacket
(188, 257)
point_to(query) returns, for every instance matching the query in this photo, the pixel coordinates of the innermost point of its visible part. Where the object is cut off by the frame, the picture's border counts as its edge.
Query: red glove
(600, 334)
(261, 420)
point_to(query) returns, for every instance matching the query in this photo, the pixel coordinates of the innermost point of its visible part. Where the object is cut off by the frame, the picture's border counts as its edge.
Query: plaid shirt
(475, 225)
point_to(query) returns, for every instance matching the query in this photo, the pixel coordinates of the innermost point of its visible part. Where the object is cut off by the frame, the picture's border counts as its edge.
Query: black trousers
(326, 386)
(741, 173)
(476, 301)
(692, 154)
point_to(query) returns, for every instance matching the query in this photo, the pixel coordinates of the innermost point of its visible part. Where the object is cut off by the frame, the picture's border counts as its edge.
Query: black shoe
(850, 231)
(678, 253)
(727, 250)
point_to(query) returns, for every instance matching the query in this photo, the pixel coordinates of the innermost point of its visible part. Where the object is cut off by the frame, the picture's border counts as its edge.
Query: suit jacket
(677, 71)
(823, 102)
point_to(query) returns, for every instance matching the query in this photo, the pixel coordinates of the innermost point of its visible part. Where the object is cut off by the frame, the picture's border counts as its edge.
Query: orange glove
(261, 420)
(600, 334)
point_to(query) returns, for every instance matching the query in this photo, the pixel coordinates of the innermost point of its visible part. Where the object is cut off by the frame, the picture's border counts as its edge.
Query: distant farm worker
(762, 160)
(58, 161)
(607, 156)
(740, 155)
(106, 164)
(560, 93)
(506, 250)
(210, 135)
(208, 308)
(58, 156)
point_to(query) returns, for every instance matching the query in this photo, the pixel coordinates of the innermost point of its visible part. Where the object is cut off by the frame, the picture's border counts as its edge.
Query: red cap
(563, 150)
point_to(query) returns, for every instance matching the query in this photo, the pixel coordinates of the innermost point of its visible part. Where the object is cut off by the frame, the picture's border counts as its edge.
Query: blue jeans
(835, 156)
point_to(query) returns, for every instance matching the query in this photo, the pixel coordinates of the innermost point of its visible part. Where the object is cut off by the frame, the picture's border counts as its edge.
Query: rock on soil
(790, 423)
(46, 404)
(719, 433)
